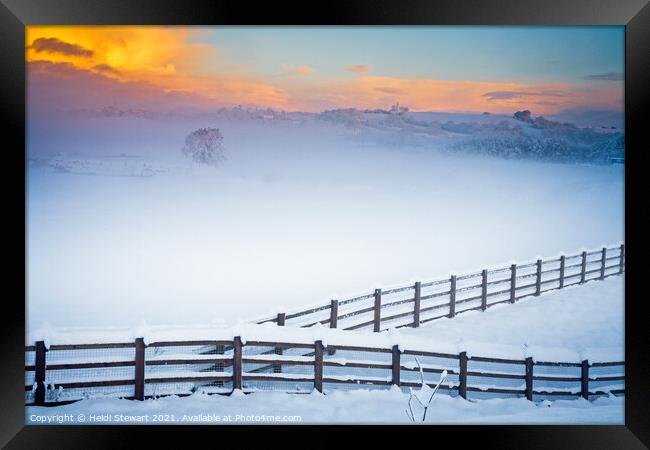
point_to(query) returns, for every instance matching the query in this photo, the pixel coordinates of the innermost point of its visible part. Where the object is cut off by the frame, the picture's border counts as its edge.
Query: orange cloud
(451, 95)
(299, 70)
(54, 45)
(166, 58)
(303, 70)
(62, 85)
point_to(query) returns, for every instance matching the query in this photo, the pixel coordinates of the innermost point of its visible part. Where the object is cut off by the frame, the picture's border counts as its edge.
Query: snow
(183, 356)
(357, 406)
(299, 214)
(569, 325)
(131, 240)
(572, 324)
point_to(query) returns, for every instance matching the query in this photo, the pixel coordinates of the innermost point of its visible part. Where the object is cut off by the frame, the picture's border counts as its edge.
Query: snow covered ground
(123, 229)
(581, 322)
(569, 325)
(357, 406)
(578, 322)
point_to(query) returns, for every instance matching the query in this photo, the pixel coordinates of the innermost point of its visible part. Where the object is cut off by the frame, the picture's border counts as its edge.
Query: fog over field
(122, 227)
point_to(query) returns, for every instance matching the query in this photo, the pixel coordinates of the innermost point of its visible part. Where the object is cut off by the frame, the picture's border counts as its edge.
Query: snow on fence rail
(381, 310)
(135, 370)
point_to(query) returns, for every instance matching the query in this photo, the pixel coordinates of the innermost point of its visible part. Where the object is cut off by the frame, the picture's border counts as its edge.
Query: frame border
(634, 14)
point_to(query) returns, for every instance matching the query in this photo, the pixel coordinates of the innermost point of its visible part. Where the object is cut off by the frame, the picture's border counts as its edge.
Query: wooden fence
(421, 302)
(221, 366)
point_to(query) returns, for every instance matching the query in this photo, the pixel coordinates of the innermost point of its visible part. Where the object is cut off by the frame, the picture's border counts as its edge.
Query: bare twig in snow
(427, 397)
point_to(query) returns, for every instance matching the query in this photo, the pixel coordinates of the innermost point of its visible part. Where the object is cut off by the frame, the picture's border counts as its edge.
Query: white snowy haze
(121, 227)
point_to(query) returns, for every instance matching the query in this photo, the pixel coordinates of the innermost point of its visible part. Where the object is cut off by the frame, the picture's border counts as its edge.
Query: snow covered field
(582, 322)
(300, 213)
(576, 323)
(339, 407)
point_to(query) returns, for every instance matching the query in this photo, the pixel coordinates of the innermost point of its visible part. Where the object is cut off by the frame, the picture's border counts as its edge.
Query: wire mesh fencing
(138, 371)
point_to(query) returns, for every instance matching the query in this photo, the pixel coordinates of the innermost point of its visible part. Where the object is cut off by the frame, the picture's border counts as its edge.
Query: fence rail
(65, 373)
(422, 302)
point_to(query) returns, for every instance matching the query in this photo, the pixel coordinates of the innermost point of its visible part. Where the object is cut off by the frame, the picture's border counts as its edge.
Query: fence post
(452, 296)
(584, 380)
(484, 274)
(529, 379)
(139, 369)
(318, 366)
(416, 307)
(334, 313)
(603, 263)
(621, 264)
(538, 283)
(334, 316)
(396, 379)
(377, 322)
(513, 282)
(583, 270)
(39, 373)
(462, 376)
(562, 264)
(236, 363)
(277, 368)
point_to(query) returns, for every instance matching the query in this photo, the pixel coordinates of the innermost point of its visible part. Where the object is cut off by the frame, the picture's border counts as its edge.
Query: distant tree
(524, 116)
(205, 146)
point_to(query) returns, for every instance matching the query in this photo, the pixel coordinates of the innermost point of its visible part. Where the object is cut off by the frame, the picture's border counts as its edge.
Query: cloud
(511, 95)
(390, 90)
(138, 65)
(134, 51)
(62, 85)
(105, 68)
(421, 94)
(611, 76)
(303, 70)
(299, 70)
(359, 69)
(54, 45)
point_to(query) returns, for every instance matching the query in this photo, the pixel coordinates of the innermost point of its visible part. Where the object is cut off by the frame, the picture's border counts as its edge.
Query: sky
(427, 68)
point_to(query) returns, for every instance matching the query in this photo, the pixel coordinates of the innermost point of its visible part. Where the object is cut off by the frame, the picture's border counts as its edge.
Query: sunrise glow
(205, 67)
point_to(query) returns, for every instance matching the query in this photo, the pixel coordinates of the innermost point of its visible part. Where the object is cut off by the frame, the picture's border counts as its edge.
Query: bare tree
(205, 146)
(424, 395)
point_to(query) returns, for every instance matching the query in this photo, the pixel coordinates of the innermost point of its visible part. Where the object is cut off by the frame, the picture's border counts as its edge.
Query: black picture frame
(16, 14)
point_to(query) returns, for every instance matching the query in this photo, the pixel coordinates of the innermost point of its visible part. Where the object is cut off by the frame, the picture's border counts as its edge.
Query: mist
(300, 212)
